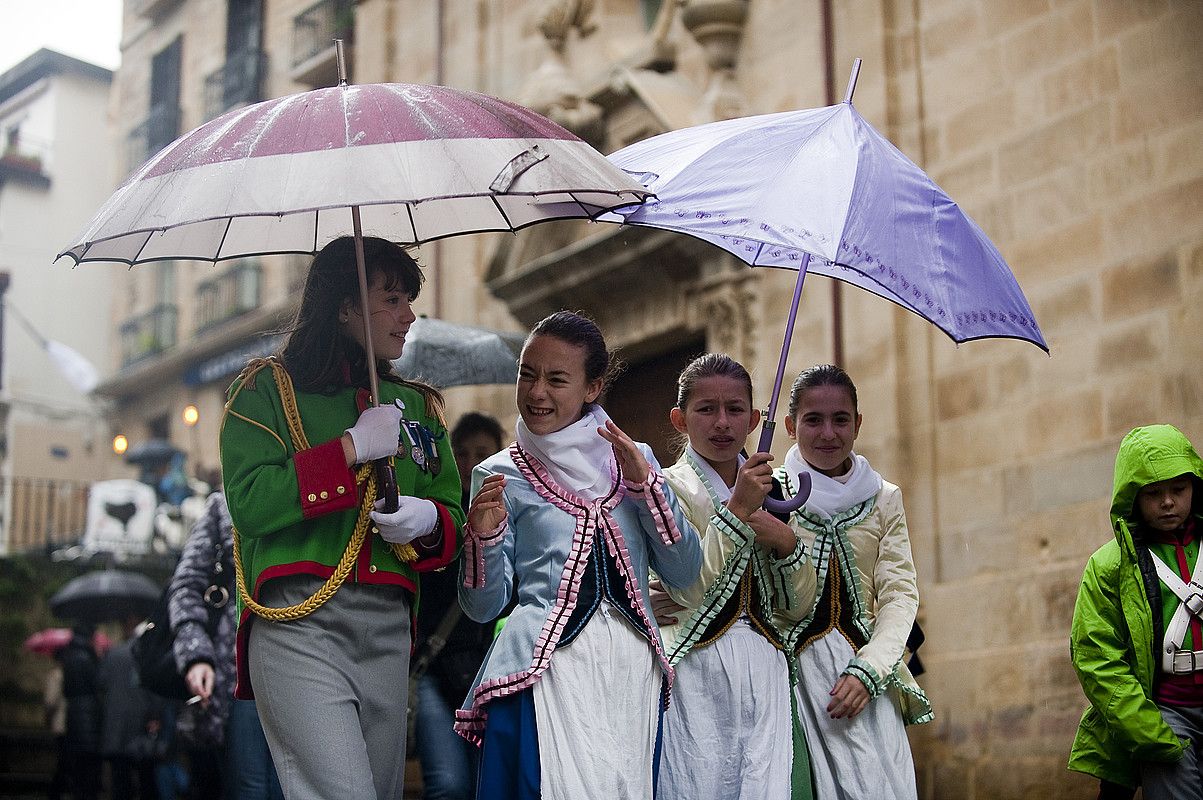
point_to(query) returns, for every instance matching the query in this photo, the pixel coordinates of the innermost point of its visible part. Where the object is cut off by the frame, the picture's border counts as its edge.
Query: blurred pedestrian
(450, 647)
(131, 721)
(222, 736)
(54, 709)
(81, 740)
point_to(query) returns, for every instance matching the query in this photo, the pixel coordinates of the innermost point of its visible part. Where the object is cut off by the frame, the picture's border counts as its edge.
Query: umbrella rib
(221, 244)
(508, 222)
(413, 226)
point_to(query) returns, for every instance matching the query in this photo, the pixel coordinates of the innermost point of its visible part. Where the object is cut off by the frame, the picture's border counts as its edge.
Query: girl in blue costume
(854, 692)
(729, 729)
(570, 517)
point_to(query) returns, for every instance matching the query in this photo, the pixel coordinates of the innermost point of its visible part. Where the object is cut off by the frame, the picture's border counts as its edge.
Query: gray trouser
(1182, 779)
(332, 690)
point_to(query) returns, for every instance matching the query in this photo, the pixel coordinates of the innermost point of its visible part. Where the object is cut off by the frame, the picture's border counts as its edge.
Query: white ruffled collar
(829, 496)
(576, 456)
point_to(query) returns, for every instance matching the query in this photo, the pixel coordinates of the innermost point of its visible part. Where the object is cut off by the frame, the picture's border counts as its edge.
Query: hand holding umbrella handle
(791, 504)
(386, 485)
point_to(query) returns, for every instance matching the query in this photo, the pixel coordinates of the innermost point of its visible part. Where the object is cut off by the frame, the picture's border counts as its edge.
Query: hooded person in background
(1137, 634)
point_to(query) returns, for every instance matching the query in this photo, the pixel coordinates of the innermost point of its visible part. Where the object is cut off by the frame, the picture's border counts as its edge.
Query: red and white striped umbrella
(419, 162)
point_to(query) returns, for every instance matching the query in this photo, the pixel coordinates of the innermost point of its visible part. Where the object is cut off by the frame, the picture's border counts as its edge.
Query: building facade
(1067, 129)
(55, 170)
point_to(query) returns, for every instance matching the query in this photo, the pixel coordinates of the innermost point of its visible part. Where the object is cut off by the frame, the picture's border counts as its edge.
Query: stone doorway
(640, 398)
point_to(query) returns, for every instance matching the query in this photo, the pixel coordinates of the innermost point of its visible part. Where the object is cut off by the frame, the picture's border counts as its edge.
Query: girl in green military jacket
(1141, 669)
(327, 579)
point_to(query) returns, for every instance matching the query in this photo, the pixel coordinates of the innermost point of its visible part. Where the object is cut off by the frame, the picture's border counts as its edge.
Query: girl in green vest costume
(854, 692)
(327, 580)
(733, 697)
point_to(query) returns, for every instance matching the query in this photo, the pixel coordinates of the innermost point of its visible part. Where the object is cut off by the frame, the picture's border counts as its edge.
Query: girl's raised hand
(487, 509)
(752, 483)
(772, 533)
(630, 460)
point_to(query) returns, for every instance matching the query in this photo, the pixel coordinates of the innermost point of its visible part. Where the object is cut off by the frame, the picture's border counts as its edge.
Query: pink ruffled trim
(474, 555)
(652, 492)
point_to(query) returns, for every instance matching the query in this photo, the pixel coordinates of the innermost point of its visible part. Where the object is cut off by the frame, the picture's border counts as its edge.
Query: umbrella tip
(341, 60)
(852, 80)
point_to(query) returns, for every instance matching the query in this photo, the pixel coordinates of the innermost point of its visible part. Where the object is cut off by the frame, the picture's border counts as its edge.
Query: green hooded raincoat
(1112, 637)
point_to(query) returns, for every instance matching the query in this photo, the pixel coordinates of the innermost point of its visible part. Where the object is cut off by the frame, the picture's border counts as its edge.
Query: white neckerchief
(719, 487)
(577, 457)
(830, 496)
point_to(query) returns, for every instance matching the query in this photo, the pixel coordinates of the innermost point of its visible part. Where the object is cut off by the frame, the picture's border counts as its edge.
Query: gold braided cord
(365, 475)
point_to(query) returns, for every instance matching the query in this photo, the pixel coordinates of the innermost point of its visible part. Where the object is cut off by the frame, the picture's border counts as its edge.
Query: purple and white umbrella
(820, 190)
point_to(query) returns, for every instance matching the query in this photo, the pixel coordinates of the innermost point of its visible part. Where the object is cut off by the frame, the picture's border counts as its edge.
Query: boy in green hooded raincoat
(1141, 668)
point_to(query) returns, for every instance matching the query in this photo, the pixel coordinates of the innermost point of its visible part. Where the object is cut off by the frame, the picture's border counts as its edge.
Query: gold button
(375, 529)
(312, 498)
(342, 490)
(372, 568)
(325, 495)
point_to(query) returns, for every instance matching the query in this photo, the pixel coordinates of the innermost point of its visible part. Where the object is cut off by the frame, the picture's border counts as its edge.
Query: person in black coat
(81, 741)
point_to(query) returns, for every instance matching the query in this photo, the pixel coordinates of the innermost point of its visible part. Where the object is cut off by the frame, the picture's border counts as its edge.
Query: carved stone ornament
(551, 90)
(718, 25)
(726, 308)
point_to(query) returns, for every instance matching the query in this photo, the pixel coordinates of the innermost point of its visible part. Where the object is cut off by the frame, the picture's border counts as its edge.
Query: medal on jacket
(432, 452)
(414, 436)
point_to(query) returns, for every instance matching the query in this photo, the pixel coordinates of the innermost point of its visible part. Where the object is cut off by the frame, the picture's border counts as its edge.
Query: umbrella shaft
(789, 334)
(362, 269)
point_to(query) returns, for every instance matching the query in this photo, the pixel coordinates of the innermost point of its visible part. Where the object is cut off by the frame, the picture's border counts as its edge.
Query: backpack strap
(1174, 659)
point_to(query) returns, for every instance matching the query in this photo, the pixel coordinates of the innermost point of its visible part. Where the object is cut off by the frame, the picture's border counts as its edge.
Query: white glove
(415, 517)
(374, 435)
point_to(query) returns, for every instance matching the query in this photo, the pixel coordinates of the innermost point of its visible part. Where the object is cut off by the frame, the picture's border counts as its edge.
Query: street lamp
(191, 415)
(120, 444)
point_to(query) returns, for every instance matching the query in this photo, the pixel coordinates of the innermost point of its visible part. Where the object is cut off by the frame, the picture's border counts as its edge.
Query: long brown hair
(317, 352)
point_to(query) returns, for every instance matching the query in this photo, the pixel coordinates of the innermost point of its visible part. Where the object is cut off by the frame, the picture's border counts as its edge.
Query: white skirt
(865, 758)
(596, 711)
(727, 731)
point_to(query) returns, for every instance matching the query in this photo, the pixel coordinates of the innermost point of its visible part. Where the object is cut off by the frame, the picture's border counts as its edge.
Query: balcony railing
(158, 130)
(229, 295)
(148, 334)
(25, 160)
(238, 82)
(313, 33)
(46, 512)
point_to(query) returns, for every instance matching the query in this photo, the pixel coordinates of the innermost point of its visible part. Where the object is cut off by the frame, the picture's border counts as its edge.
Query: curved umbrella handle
(386, 485)
(790, 504)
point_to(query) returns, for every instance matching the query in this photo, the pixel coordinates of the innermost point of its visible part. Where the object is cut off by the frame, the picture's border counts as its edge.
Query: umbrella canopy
(420, 162)
(109, 594)
(773, 188)
(821, 190)
(50, 640)
(447, 354)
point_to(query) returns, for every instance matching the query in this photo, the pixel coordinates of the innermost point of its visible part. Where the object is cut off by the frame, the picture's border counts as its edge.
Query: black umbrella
(449, 354)
(109, 594)
(151, 453)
